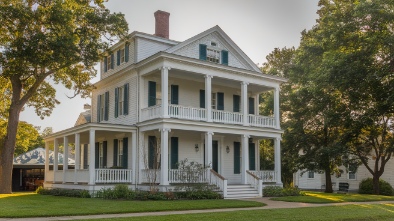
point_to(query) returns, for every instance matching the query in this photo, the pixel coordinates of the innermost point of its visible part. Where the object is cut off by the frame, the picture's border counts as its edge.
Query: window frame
(101, 155)
(102, 107)
(311, 175)
(213, 55)
(214, 101)
(120, 153)
(120, 100)
(122, 55)
(109, 63)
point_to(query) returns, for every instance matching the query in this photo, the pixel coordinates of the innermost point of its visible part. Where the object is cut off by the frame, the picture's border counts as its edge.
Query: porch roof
(91, 126)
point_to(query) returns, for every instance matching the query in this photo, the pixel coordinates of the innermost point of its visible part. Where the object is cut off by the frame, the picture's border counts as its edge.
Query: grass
(35, 205)
(344, 213)
(319, 197)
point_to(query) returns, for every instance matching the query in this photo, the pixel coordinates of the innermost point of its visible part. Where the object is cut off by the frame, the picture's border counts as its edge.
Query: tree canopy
(41, 40)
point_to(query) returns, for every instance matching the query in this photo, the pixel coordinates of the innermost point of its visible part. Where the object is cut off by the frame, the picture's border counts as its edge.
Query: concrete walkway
(270, 205)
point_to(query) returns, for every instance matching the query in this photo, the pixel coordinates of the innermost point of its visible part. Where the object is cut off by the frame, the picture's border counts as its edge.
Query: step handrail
(255, 182)
(218, 180)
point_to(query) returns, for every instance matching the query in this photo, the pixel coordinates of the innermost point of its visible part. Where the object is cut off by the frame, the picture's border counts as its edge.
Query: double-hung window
(311, 175)
(102, 106)
(213, 101)
(121, 100)
(122, 56)
(213, 55)
(101, 155)
(120, 153)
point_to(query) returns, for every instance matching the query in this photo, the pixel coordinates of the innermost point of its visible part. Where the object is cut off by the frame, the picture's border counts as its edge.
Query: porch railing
(150, 175)
(187, 176)
(261, 121)
(151, 112)
(190, 113)
(267, 176)
(113, 176)
(216, 179)
(255, 182)
(227, 117)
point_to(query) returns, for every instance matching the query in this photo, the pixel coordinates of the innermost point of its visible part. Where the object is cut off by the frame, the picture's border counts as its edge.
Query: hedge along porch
(111, 149)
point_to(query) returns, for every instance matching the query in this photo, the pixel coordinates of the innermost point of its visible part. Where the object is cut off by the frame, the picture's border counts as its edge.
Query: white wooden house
(160, 101)
(317, 181)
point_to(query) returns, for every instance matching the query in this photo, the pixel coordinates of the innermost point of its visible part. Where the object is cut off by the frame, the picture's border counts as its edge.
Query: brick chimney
(162, 24)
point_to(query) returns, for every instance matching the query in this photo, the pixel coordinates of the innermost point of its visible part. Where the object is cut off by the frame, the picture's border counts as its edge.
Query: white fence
(113, 176)
(150, 175)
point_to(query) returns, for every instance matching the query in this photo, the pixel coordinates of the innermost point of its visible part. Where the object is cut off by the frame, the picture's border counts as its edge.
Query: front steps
(241, 192)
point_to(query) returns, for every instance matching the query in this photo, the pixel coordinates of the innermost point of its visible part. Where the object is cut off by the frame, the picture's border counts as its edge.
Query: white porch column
(257, 104)
(77, 144)
(278, 168)
(208, 92)
(208, 149)
(65, 157)
(245, 157)
(244, 102)
(46, 160)
(92, 154)
(258, 155)
(164, 156)
(164, 90)
(142, 157)
(55, 156)
(276, 108)
(134, 156)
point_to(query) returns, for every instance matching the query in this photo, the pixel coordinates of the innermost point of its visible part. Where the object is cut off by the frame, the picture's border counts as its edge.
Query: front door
(215, 156)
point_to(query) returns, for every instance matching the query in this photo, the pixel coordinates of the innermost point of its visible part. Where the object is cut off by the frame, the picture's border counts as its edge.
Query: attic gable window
(213, 54)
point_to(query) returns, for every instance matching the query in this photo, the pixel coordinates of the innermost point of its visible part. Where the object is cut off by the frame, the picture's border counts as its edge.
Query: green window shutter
(224, 57)
(237, 157)
(125, 152)
(112, 60)
(174, 153)
(203, 52)
(236, 101)
(220, 97)
(116, 102)
(126, 52)
(115, 152)
(126, 99)
(251, 105)
(215, 156)
(96, 155)
(252, 157)
(151, 93)
(202, 98)
(106, 107)
(105, 64)
(85, 156)
(118, 57)
(104, 154)
(98, 107)
(151, 151)
(174, 94)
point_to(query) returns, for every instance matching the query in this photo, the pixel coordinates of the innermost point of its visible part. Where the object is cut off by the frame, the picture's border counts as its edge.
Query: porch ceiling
(198, 77)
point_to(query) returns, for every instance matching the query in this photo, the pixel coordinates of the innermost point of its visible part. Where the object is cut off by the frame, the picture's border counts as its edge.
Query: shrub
(277, 191)
(366, 187)
(64, 192)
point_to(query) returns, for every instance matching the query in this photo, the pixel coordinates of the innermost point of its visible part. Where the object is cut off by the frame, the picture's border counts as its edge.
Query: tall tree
(359, 62)
(41, 39)
(280, 63)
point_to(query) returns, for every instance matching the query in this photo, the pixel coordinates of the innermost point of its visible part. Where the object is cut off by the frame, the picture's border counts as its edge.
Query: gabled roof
(83, 118)
(37, 157)
(225, 37)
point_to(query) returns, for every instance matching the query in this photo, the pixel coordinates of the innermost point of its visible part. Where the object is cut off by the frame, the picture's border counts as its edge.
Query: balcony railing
(189, 113)
(200, 114)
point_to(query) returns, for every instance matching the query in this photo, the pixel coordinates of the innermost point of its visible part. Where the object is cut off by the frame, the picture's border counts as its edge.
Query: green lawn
(346, 212)
(319, 197)
(35, 205)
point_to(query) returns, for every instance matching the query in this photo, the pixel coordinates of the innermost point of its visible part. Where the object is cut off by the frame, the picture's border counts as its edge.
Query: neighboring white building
(160, 101)
(316, 181)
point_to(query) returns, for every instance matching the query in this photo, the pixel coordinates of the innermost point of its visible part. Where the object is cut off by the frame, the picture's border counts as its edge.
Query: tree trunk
(7, 149)
(376, 187)
(328, 182)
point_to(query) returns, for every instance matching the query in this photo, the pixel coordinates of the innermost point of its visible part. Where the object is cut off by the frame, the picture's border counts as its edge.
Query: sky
(256, 26)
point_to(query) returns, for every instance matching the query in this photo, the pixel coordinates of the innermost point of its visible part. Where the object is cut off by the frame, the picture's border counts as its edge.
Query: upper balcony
(171, 93)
